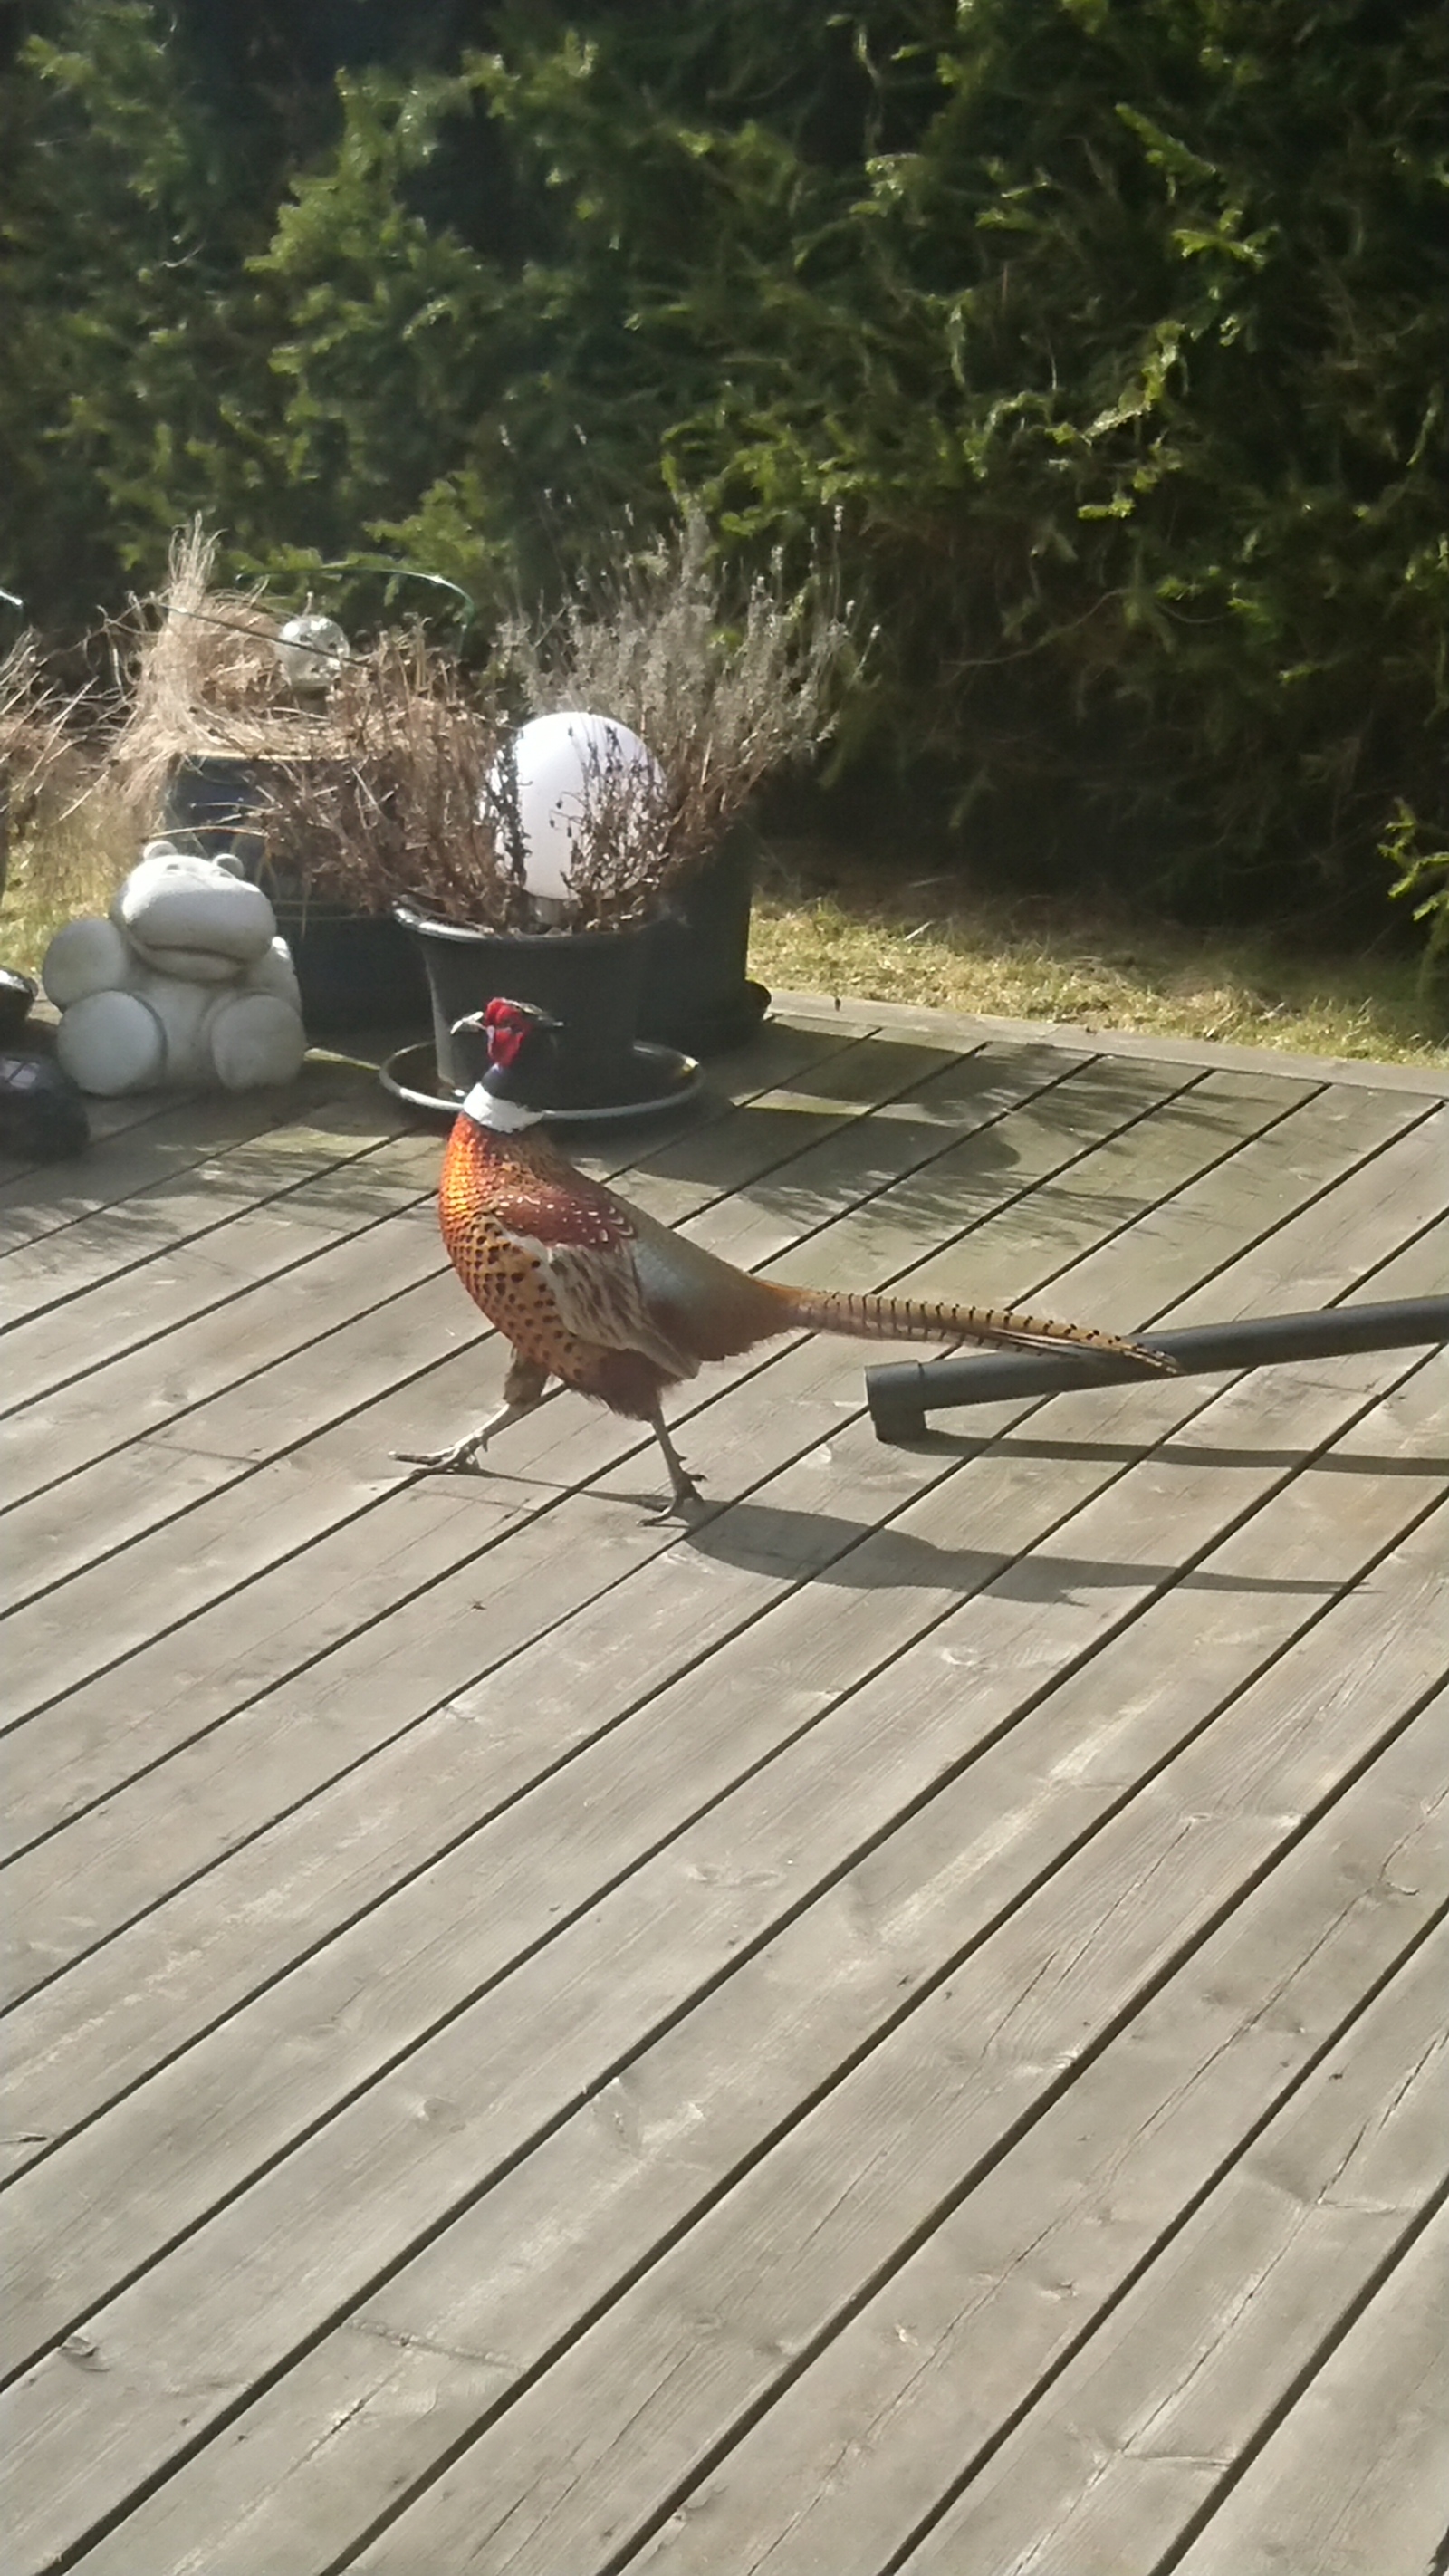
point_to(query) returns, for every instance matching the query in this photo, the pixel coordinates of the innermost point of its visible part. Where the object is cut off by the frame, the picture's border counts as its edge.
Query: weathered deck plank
(818, 1799)
(419, 1647)
(631, 2411)
(1357, 2477)
(1159, 2410)
(264, 1411)
(58, 1636)
(823, 2041)
(612, 2185)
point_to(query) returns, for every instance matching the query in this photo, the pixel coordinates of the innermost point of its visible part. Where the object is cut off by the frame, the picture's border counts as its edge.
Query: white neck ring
(504, 1117)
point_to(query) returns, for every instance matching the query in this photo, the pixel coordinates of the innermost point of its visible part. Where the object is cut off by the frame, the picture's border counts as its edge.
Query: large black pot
(697, 994)
(588, 980)
(354, 969)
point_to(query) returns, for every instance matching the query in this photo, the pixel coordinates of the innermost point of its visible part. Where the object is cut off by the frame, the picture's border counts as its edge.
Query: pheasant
(595, 1293)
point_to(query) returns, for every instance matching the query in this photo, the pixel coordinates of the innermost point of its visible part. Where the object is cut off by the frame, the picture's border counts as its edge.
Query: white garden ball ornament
(111, 1043)
(312, 651)
(563, 761)
(185, 982)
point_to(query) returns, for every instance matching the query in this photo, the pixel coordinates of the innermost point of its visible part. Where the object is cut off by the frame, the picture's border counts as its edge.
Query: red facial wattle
(507, 1028)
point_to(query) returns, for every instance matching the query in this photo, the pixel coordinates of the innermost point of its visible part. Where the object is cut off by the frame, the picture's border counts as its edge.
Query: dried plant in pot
(219, 709)
(429, 809)
(727, 687)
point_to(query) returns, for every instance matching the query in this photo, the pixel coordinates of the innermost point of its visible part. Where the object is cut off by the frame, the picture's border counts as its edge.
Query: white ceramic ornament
(312, 651)
(186, 982)
(563, 762)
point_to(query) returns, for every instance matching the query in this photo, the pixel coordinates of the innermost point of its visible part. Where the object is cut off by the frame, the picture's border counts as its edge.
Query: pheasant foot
(457, 1461)
(522, 1389)
(460, 1458)
(684, 1492)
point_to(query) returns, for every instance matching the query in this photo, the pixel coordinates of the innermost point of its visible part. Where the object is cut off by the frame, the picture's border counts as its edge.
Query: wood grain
(896, 2021)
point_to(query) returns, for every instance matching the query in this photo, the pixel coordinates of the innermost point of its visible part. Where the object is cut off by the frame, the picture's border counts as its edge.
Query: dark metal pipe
(901, 1397)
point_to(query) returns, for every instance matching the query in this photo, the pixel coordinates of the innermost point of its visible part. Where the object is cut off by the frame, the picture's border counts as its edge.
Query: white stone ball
(87, 956)
(256, 1039)
(112, 1043)
(312, 651)
(563, 761)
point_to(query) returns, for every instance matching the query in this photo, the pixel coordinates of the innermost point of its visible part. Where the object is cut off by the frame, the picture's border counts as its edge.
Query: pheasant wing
(600, 1299)
(623, 1281)
(584, 1243)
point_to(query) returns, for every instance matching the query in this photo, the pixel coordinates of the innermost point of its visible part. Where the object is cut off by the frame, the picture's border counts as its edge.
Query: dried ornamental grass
(38, 733)
(723, 703)
(388, 792)
(206, 681)
(389, 806)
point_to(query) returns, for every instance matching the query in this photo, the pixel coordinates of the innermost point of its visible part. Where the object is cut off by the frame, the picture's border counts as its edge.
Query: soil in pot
(697, 994)
(589, 981)
(355, 969)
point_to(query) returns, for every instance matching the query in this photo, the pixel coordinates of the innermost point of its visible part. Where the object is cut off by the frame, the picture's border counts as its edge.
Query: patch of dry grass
(827, 925)
(72, 856)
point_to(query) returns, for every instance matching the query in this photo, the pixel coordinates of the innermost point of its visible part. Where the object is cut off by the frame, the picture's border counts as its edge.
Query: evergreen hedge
(1105, 340)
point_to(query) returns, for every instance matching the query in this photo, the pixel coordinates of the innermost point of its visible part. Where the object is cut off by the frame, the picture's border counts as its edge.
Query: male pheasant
(595, 1293)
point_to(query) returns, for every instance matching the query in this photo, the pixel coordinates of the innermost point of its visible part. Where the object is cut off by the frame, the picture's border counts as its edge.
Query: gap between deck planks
(243, 1918)
(211, 1348)
(821, 1755)
(585, 2462)
(324, 1707)
(72, 1609)
(271, 1413)
(840, 2194)
(860, 1533)
(146, 1480)
(1358, 2475)
(351, 1826)
(171, 1215)
(1149, 2423)
(141, 1145)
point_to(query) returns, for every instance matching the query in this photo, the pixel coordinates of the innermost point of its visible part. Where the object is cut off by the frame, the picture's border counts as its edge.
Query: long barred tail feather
(906, 1319)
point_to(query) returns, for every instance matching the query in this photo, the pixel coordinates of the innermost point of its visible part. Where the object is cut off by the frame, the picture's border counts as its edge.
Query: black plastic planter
(697, 994)
(589, 981)
(355, 969)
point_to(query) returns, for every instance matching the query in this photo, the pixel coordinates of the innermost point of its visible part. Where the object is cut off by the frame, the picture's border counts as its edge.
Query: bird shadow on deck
(821, 1547)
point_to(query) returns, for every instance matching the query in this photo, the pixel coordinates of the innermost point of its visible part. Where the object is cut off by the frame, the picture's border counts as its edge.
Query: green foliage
(136, 387)
(1104, 338)
(1421, 877)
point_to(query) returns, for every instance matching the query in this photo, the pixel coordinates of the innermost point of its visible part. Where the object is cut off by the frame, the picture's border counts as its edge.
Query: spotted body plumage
(599, 1295)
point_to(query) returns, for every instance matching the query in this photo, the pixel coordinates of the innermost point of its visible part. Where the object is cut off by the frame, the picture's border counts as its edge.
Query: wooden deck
(900, 2030)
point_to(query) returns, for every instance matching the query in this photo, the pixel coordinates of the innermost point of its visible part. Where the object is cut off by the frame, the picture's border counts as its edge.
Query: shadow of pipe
(822, 1548)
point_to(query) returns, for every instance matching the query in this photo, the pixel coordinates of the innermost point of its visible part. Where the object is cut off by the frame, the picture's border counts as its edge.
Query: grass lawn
(828, 921)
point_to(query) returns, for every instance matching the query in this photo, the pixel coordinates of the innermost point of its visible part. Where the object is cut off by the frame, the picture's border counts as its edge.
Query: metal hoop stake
(901, 1397)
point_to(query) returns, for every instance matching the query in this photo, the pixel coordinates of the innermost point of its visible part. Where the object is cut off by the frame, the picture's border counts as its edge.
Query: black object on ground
(17, 995)
(900, 1397)
(697, 993)
(42, 1113)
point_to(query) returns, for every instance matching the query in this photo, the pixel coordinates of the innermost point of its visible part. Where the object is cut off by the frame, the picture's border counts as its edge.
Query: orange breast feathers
(526, 1232)
(523, 1185)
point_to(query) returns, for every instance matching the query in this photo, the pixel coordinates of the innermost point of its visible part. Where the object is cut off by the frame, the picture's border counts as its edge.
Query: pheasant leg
(522, 1389)
(684, 1490)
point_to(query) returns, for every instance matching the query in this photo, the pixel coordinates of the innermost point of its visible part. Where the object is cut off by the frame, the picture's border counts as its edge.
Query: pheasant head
(522, 1045)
